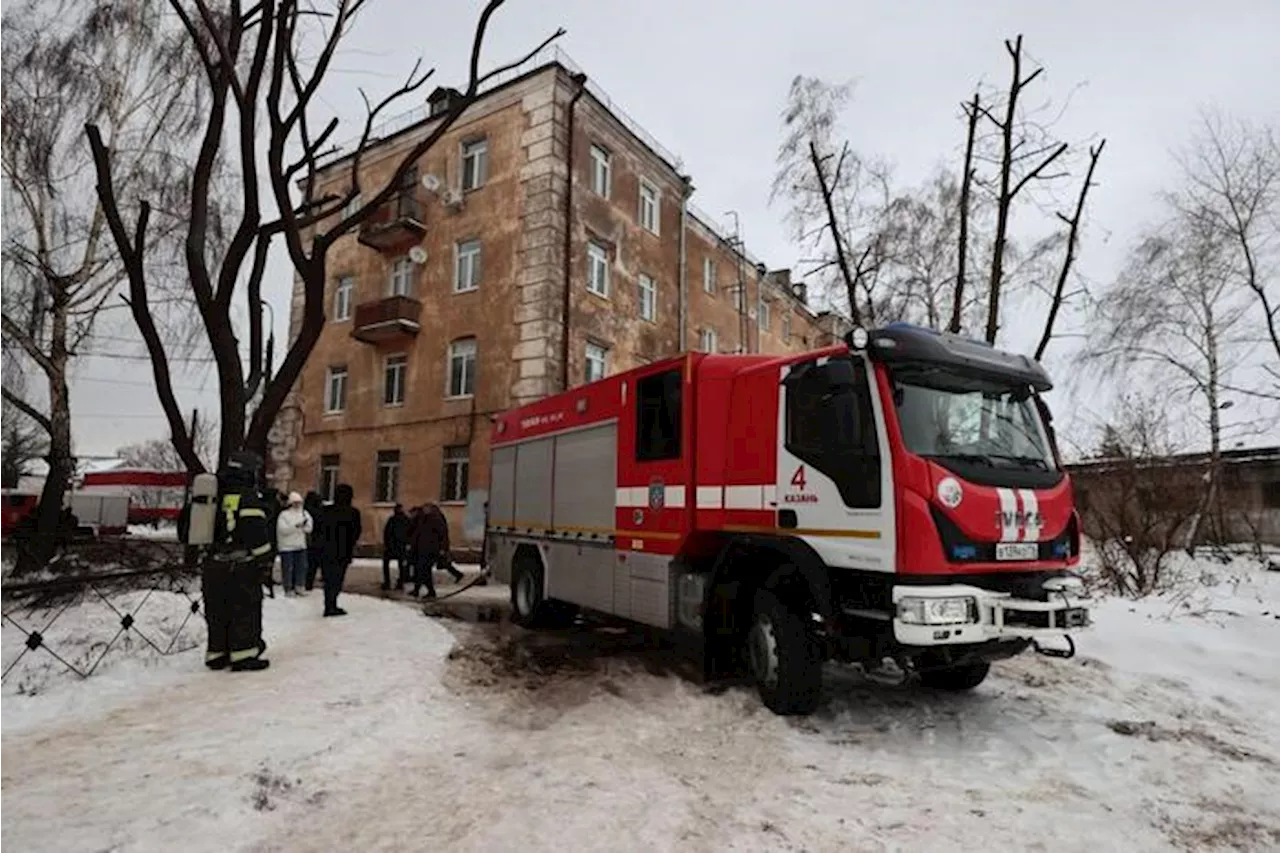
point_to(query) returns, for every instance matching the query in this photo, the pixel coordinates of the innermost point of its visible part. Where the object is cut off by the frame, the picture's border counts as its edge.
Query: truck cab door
(835, 488)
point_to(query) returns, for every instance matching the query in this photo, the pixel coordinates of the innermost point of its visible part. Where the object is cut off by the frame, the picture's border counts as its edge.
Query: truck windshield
(949, 416)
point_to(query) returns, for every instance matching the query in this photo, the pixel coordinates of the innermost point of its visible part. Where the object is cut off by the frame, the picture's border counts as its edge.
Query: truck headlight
(938, 611)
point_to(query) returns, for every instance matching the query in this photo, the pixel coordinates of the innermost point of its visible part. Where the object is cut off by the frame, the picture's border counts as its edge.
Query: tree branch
(966, 186)
(27, 409)
(132, 253)
(1073, 231)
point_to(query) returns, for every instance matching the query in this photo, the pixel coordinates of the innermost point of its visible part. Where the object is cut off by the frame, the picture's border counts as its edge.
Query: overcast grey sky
(708, 79)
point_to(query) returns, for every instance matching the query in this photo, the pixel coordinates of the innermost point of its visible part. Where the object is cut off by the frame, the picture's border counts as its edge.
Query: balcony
(396, 225)
(393, 318)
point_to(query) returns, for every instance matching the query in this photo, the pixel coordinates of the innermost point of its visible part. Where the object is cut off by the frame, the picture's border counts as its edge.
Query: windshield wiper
(1032, 461)
(964, 457)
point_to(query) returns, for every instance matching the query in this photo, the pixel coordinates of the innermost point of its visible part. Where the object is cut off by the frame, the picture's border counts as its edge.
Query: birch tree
(119, 66)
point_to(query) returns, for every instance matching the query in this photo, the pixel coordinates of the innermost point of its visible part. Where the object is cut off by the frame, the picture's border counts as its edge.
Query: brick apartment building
(560, 246)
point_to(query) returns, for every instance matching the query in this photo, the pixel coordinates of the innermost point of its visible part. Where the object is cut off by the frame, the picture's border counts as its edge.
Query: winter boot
(250, 665)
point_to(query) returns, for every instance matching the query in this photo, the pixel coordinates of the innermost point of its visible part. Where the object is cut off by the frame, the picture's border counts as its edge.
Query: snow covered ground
(387, 730)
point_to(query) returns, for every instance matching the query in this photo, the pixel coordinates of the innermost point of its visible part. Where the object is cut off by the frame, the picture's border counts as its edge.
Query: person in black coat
(340, 529)
(395, 539)
(314, 506)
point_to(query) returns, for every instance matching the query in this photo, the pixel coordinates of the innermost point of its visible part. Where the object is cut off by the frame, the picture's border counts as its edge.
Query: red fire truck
(896, 501)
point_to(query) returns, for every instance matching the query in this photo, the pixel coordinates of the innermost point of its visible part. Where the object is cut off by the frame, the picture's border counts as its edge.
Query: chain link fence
(105, 600)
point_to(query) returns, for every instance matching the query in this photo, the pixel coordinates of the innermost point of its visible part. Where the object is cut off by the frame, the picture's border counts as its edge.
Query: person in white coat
(293, 526)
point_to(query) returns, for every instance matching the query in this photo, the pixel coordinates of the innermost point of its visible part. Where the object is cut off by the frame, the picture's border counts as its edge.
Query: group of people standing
(418, 542)
(311, 536)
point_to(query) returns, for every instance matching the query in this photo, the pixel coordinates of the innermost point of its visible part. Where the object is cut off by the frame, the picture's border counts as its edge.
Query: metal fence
(36, 609)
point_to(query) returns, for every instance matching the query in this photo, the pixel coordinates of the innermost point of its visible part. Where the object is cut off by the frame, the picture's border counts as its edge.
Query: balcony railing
(395, 225)
(386, 319)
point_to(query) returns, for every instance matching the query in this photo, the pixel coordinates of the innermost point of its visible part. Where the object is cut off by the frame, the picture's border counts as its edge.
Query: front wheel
(785, 659)
(955, 678)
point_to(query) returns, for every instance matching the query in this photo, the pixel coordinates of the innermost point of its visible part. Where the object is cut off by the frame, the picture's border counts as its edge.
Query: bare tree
(22, 441)
(1025, 152)
(1176, 316)
(836, 198)
(972, 110)
(1231, 185)
(264, 66)
(119, 66)
(1137, 505)
(1072, 221)
(159, 454)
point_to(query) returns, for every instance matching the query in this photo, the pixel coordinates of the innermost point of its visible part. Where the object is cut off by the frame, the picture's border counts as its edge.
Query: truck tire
(784, 658)
(955, 679)
(529, 605)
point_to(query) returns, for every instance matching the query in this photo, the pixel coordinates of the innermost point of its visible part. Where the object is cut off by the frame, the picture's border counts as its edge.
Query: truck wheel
(955, 678)
(528, 603)
(785, 660)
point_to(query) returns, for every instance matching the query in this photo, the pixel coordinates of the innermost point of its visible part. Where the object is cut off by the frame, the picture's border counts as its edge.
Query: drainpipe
(580, 81)
(683, 272)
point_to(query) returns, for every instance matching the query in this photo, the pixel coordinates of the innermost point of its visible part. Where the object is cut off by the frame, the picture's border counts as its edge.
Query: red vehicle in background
(898, 498)
(107, 502)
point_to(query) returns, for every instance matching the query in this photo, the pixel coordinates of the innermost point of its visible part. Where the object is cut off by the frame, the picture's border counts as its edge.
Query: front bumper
(992, 616)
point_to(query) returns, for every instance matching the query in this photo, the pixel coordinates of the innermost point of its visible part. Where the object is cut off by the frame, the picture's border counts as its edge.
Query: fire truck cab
(894, 501)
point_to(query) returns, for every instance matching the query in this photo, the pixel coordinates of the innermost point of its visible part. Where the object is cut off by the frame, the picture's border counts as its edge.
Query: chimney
(801, 292)
(439, 101)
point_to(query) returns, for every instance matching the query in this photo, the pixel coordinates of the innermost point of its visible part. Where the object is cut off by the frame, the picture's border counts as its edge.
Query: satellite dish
(430, 183)
(418, 255)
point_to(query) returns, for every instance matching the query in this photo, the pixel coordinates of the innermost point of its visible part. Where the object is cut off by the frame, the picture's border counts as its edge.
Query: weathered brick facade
(539, 134)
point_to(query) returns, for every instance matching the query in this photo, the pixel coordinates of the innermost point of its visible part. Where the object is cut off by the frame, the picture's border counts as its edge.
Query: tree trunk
(43, 544)
(962, 250)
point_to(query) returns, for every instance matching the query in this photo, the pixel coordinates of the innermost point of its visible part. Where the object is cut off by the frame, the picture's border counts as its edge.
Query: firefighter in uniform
(238, 564)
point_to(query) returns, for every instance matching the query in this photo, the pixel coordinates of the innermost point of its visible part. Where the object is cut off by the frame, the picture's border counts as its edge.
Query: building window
(707, 341)
(597, 362)
(786, 327)
(475, 163)
(708, 275)
(762, 316)
(386, 477)
(328, 481)
(658, 417)
(402, 277)
(601, 170)
(455, 473)
(466, 270)
(598, 269)
(352, 206)
(648, 298)
(393, 380)
(462, 367)
(737, 296)
(342, 298)
(335, 390)
(650, 203)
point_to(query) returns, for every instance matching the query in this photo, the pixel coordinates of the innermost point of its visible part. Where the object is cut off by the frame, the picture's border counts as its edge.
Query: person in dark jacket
(339, 531)
(430, 543)
(315, 548)
(395, 538)
(444, 562)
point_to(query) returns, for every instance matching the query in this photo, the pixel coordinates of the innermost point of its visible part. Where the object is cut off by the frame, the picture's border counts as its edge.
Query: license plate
(1017, 551)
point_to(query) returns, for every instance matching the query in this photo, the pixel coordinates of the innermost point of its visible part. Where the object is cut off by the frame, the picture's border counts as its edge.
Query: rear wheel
(528, 597)
(785, 660)
(955, 678)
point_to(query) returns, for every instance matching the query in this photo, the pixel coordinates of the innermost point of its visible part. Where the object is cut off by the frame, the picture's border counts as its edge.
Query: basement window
(658, 417)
